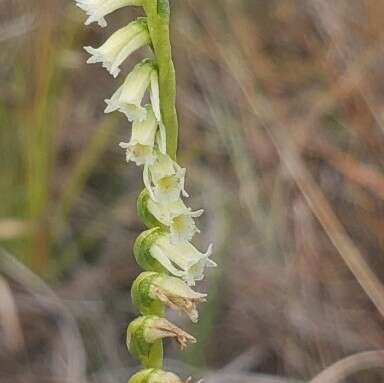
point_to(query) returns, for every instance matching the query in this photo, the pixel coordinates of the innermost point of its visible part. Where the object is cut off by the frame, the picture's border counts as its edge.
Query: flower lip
(181, 260)
(140, 149)
(176, 217)
(165, 179)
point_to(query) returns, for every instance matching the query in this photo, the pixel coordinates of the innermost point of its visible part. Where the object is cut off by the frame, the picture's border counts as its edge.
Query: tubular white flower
(154, 251)
(120, 45)
(127, 99)
(181, 260)
(177, 217)
(140, 149)
(165, 179)
(98, 9)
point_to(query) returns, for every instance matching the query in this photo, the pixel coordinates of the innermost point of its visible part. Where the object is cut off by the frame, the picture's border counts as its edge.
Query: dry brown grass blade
(343, 368)
(9, 318)
(318, 203)
(289, 152)
(352, 169)
(324, 213)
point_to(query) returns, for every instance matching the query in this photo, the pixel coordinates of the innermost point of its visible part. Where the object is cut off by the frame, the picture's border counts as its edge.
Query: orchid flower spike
(145, 334)
(98, 9)
(128, 97)
(154, 251)
(153, 375)
(151, 291)
(165, 180)
(175, 217)
(171, 263)
(140, 149)
(120, 45)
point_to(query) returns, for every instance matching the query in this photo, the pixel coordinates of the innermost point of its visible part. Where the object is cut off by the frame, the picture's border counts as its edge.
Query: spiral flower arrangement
(171, 263)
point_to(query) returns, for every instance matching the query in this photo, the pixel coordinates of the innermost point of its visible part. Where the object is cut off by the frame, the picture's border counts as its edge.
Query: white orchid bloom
(165, 179)
(140, 149)
(98, 9)
(120, 45)
(177, 217)
(128, 97)
(182, 260)
(154, 251)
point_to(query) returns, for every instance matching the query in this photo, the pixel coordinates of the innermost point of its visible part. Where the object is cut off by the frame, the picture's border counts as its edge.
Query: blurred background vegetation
(282, 133)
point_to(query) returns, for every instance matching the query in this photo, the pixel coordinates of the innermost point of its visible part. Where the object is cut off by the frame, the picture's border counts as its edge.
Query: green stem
(158, 15)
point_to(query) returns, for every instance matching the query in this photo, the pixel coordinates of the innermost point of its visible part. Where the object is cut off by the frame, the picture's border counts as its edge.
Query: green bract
(143, 298)
(150, 354)
(142, 209)
(141, 250)
(151, 291)
(144, 339)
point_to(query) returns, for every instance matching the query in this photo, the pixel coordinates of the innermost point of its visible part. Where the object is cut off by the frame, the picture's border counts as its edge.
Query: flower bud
(98, 9)
(154, 251)
(155, 376)
(151, 291)
(120, 45)
(144, 338)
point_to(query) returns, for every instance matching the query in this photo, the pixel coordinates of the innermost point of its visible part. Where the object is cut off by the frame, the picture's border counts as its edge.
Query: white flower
(165, 179)
(97, 9)
(120, 45)
(128, 97)
(140, 148)
(154, 251)
(181, 260)
(178, 217)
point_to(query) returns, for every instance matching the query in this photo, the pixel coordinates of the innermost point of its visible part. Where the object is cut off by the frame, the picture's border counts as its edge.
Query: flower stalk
(158, 18)
(171, 263)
